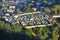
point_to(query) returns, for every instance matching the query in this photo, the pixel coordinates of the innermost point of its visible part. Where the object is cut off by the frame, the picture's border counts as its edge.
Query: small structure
(11, 8)
(16, 16)
(7, 14)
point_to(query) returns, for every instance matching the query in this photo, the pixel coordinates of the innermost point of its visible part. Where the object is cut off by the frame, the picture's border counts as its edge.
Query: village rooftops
(30, 20)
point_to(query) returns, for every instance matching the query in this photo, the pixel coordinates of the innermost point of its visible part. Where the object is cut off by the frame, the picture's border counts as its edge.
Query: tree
(29, 8)
(56, 8)
(47, 10)
(17, 28)
(28, 32)
(44, 1)
(55, 34)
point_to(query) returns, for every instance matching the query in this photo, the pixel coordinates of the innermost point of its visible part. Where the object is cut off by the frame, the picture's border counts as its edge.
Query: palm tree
(55, 34)
(17, 28)
(47, 10)
(56, 8)
(28, 8)
(29, 32)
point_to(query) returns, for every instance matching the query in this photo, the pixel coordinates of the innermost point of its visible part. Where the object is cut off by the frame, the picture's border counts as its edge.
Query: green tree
(29, 8)
(45, 1)
(55, 33)
(28, 32)
(47, 10)
(17, 28)
(56, 8)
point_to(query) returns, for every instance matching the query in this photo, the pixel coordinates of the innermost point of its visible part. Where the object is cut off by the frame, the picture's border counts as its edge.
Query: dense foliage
(17, 32)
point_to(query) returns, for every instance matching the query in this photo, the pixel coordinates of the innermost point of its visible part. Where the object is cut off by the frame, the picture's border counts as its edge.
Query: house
(11, 8)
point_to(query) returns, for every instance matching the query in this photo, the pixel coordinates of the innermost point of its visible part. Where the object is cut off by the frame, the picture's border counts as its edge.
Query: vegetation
(43, 33)
(56, 9)
(47, 10)
(29, 8)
